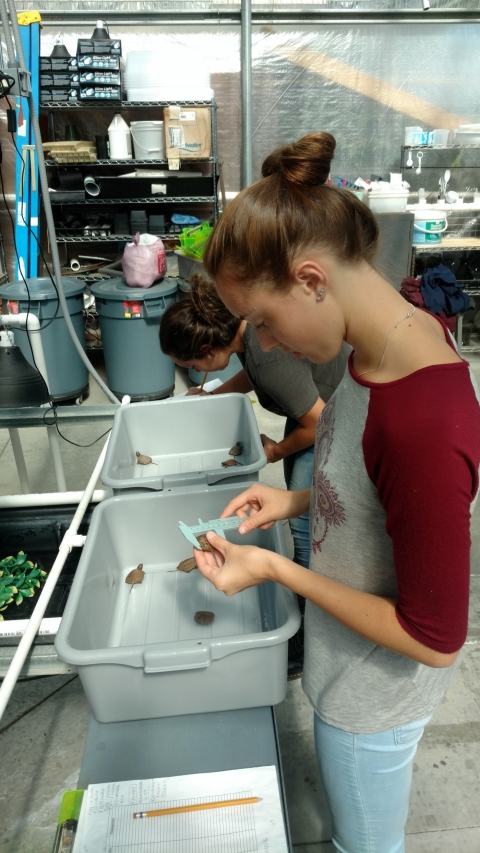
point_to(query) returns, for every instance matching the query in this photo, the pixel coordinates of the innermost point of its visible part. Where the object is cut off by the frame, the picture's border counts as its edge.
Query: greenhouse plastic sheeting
(363, 83)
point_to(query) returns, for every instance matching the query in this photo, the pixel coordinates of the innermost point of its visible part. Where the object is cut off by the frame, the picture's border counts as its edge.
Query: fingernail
(242, 528)
(210, 533)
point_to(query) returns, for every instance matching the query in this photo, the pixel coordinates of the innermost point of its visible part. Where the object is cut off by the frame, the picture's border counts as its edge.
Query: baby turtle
(236, 450)
(203, 542)
(135, 576)
(143, 460)
(229, 463)
(204, 617)
(187, 565)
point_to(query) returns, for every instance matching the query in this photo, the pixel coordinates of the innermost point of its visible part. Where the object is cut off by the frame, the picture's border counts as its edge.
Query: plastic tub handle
(425, 231)
(171, 657)
(195, 478)
(155, 309)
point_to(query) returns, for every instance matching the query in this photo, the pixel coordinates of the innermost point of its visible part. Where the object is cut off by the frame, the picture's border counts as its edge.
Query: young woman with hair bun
(395, 477)
(200, 332)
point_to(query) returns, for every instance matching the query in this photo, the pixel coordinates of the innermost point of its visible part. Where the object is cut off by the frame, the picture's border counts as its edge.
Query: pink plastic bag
(144, 261)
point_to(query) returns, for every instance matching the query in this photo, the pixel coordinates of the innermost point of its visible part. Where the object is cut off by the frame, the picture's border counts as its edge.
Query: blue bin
(130, 321)
(67, 374)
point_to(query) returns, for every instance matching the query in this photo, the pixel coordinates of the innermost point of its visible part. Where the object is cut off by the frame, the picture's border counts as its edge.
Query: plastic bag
(144, 261)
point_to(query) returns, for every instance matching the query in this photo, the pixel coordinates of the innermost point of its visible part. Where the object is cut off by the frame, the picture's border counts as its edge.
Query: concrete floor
(43, 731)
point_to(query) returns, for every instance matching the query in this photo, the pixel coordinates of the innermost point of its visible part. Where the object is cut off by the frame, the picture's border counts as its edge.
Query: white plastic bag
(144, 261)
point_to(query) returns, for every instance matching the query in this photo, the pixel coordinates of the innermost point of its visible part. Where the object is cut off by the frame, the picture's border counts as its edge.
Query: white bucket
(148, 140)
(429, 226)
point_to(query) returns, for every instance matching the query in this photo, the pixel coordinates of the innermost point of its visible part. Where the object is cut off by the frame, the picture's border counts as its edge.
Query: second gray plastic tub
(138, 651)
(187, 438)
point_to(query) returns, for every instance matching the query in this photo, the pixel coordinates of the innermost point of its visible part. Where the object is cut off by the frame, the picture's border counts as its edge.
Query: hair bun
(304, 162)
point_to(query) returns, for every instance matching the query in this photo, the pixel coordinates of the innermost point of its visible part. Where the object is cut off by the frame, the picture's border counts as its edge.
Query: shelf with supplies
(179, 189)
(148, 200)
(89, 163)
(106, 103)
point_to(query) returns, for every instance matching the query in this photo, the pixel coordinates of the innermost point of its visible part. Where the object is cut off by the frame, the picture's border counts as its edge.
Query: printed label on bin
(12, 307)
(159, 189)
(132, 309)
(187, 115)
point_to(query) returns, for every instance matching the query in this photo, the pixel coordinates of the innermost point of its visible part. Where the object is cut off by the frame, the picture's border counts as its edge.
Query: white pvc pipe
(34, 622)
(19, 321)
(48, 499)
(20, 460)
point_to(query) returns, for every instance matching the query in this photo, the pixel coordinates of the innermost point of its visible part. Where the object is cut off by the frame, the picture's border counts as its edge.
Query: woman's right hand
(262, 506)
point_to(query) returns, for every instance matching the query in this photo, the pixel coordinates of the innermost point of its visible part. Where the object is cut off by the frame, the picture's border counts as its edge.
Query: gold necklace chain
(410, 314)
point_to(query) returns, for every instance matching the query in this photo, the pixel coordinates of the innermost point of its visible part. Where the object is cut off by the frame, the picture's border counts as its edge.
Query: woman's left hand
(271, 448)
(232, 568)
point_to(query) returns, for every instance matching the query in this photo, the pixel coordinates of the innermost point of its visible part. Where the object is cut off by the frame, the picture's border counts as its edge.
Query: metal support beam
(246, 71)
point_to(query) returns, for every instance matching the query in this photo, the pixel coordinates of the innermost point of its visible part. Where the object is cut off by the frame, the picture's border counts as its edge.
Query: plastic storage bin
(138, 651)
(188, 438)
(130, 321)
(67, 374)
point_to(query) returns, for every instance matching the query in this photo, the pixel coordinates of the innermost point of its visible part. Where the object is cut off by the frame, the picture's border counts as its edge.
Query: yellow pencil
(203, 380)
(218, 804)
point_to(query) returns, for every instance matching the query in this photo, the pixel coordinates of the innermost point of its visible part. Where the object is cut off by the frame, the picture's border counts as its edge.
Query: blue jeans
(367, 781)
(298, 471)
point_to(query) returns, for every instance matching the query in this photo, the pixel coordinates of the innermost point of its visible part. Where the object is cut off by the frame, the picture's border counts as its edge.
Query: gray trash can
(130, 321)
(67, 374)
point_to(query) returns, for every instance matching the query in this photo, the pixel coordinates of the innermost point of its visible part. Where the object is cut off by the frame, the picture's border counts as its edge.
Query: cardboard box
(58, 63)
(104, 47)
(94, 92)
(60, 79)
(90, 60)
(188, 133)
(100, 76)
(55, 95)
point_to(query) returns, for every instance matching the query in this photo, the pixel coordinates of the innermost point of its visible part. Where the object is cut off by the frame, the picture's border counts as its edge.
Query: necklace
(410, 314)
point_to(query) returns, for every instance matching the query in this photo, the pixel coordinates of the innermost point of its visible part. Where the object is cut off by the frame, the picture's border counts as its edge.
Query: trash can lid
(41, 289)
(116, 289)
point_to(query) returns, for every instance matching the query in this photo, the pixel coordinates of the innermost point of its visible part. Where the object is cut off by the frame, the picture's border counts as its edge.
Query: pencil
(218, 804)
(203, 380)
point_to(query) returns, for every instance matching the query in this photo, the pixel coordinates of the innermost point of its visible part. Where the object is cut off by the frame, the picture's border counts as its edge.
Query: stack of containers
(59, 77)
(100, 68)
(139, 651)
(175, 73)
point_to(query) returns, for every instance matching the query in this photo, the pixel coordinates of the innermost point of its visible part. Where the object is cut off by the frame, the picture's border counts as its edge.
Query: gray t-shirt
(286, 385)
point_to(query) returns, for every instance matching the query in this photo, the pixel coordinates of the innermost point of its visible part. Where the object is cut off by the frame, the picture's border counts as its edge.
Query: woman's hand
(266, 506)
(232, 568)
(271, 448)
(196, 392)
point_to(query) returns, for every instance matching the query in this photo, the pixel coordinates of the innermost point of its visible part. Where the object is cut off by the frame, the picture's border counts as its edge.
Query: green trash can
(67, 374)
(129, 321)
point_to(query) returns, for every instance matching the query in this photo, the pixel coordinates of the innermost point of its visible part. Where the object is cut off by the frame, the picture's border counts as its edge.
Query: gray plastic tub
(67, 374)
(187, 438)
(138, 651)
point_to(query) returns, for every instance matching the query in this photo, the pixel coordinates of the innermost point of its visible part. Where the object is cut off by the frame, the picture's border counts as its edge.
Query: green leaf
(43, 574)
(18, 598)
(33, 574)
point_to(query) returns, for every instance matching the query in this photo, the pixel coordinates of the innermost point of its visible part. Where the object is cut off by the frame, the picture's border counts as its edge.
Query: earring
(321, 294)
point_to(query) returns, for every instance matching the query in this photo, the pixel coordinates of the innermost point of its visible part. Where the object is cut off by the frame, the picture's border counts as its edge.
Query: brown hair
(289, 210)
(190, 328)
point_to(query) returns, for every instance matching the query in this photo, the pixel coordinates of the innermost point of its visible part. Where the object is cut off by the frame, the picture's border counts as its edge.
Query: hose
(42, 173)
